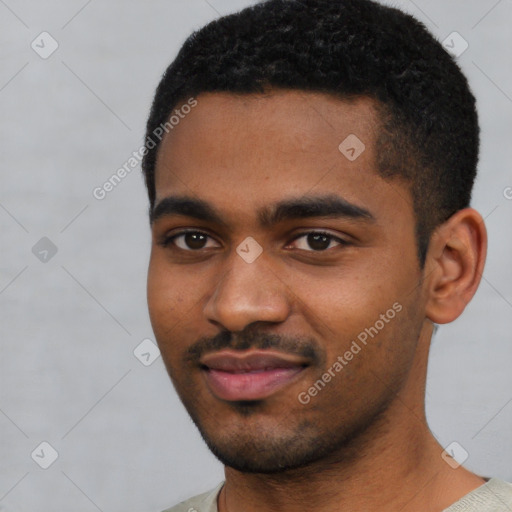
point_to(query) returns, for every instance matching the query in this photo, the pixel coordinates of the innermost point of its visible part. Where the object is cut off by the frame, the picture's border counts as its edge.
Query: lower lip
(250, 385)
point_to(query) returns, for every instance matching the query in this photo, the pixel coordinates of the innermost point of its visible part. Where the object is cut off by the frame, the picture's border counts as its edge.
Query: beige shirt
(493, 496)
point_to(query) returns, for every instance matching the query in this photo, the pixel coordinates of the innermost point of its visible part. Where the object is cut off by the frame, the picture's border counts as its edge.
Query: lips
(252, 375)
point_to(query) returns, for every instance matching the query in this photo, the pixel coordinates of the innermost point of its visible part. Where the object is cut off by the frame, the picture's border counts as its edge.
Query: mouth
(250, 375)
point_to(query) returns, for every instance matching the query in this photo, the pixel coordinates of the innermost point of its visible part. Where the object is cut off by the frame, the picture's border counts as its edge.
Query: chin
(269, 449)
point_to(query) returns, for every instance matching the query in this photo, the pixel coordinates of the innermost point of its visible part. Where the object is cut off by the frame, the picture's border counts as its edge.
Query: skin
(362, 442)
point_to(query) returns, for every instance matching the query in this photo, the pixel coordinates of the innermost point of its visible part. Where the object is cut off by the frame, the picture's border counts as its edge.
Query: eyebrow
(303, 207)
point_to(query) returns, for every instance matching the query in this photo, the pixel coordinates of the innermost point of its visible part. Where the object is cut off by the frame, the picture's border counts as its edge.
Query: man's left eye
(319, 241)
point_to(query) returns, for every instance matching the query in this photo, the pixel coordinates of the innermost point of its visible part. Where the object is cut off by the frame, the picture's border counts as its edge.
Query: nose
(247, 292)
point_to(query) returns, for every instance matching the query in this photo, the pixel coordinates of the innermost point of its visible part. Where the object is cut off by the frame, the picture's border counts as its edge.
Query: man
(309, 167)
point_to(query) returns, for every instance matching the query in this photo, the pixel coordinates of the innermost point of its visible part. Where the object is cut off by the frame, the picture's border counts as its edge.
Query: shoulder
(493, 496)
(205, 502)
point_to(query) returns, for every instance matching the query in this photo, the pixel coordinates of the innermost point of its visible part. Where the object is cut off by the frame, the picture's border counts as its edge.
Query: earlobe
(454, 266)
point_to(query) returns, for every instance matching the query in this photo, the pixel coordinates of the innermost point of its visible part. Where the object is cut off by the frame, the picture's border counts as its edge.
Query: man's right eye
(187, 240)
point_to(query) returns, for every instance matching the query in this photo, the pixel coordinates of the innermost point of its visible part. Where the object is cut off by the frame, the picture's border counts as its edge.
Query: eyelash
(168, 241)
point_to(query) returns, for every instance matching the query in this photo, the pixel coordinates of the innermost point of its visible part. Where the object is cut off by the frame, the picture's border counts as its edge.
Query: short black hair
(428, 131)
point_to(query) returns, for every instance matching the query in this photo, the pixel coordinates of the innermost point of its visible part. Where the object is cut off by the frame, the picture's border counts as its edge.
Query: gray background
(69, 325)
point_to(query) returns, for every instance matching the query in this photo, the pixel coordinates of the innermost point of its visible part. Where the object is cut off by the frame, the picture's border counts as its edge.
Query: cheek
(174, 304)
(347, 300)
(164, 295)
(360, 312)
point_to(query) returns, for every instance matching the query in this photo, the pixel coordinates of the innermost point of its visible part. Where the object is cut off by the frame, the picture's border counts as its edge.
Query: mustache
(299, 346)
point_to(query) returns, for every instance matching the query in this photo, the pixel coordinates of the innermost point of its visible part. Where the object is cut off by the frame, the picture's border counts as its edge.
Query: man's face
(248, 339)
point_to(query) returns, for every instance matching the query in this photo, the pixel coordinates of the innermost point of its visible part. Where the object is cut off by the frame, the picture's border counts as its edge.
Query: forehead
(241, 152)
(295, 123)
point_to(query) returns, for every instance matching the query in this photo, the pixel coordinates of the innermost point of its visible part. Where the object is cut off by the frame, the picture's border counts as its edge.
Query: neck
(394, 465)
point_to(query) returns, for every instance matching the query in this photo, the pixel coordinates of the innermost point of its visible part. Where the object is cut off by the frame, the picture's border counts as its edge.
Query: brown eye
(194, 240)
(188, 240)
(316, 241)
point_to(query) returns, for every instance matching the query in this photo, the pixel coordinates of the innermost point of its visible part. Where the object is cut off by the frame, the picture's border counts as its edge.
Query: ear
(454, 265)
